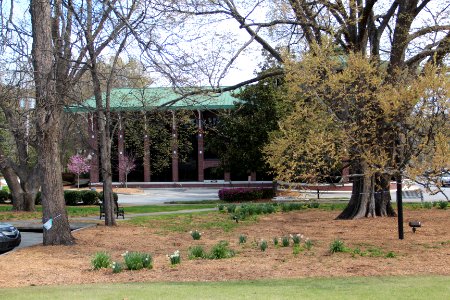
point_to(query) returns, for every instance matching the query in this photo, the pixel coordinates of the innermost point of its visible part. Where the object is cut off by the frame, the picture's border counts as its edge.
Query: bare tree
(18, 163)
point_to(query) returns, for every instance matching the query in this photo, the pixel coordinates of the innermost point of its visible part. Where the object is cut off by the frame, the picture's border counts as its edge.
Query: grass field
(6, 212)
(427, 287)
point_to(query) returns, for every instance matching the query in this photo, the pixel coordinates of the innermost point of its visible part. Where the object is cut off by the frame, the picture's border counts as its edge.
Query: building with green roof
(135, 99)
(201, 107)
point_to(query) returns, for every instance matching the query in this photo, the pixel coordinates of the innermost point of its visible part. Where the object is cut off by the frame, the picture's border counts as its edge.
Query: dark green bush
(220, 251)
(72, 198)
(246, 194)
(68, 177)
(231, 208)
(90, 197)
(4, 195)
(38, 199)
(442, 204)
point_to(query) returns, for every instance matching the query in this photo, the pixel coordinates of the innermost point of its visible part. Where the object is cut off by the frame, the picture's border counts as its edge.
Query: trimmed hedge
(90, 197)
(4, 195)
(73, 198)
(245, 194)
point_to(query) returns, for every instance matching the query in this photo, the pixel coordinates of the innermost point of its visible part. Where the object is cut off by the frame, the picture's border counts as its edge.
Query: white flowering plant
(116, 267)
(175, 258)
(296, 238)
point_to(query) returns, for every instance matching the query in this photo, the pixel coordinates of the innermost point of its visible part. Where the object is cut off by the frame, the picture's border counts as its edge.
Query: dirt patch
(425, 252)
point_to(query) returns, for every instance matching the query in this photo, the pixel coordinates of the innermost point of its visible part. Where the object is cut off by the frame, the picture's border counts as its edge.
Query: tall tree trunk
(48, 126)
(15, 188)
(383, 206)
(103, 123)
(370, 195)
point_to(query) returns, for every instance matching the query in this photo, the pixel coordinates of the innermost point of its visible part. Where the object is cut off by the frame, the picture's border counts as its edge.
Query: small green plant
(242, 239)
(221, 207)
(337, 246)
(175, 258)
(231, 208)
(308, 244)
(196, 235)
(285, 241)
(196, 252)
(375, 252)
(427, 205)
(390, 254)
(221, 250)
(101, 260)
(275, 241)
(296, 249)
(296, 238)
(116, 267)
(313, 204)
(358, 251)
(137, 260)
(442, 204)
(263, 245)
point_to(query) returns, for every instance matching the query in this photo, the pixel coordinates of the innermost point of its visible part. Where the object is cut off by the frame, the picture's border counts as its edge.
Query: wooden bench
(119, 211)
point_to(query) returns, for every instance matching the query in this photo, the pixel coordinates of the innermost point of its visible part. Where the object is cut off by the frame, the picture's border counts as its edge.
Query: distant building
(204, 108)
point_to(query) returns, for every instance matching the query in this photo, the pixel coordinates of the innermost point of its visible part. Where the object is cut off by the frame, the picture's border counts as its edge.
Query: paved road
(426, 196)
(159, 196)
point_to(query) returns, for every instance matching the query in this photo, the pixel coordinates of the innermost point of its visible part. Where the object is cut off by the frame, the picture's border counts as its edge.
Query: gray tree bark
(49, 112)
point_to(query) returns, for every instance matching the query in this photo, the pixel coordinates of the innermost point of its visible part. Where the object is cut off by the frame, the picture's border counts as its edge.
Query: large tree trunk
(23, 192)
(105, 150)
(15, 188)
(48, 126)
(370, 195)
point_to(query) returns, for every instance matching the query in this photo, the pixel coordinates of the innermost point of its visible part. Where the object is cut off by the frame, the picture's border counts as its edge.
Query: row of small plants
(139, 260)
(299, 242)
(339, 246)
(221, 250)
(132, 261)
(245, 194)
(438, 204)
(241, 212)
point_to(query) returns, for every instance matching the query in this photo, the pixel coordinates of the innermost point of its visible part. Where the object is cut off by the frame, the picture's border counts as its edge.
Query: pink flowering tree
(127, 164)
(78, 165)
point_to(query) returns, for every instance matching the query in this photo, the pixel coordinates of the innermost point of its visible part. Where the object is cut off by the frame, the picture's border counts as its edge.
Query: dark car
(9, 237)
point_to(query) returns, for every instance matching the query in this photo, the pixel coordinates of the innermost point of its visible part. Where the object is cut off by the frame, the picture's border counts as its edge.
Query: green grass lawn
(426, 287)
(186, 222)
(6, 212)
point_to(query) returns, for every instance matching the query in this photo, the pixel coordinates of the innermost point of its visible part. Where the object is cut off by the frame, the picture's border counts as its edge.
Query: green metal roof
(133, 99)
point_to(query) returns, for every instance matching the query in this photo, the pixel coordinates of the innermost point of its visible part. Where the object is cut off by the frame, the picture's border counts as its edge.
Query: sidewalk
(35, 225)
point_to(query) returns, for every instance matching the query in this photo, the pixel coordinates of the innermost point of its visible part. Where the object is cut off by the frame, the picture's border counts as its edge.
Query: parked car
(445, 180)
(9, 237)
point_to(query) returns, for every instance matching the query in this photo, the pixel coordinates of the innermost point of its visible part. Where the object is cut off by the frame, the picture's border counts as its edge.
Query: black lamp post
(400, 206)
